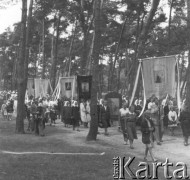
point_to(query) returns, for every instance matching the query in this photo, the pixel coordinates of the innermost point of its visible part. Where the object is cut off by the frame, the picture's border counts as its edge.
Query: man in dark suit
(105, 116)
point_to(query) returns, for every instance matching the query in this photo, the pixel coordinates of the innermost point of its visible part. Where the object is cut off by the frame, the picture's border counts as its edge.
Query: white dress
(88, 112)
(83, 113)
(172, 116)
(15, 108)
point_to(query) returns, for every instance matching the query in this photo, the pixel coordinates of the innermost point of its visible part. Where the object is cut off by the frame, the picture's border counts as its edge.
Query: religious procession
(93, 89)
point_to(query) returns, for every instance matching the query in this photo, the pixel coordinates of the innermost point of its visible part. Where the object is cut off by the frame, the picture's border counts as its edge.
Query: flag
(41, 87)
(159, 76)
(30, 87)
(84, 84)
(67, 87)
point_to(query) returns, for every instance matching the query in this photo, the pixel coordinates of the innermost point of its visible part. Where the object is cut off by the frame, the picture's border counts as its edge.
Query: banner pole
(178, 89)
(144, 101)
(151, 58)
(135, 85)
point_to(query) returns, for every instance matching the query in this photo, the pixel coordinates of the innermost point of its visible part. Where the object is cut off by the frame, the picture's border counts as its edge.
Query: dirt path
(84, 160)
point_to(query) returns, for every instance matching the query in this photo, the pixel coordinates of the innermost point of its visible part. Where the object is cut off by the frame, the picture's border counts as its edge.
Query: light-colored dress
(172, 116)
(88, 116)
(15, 108)
(123, 118)
(83, 113)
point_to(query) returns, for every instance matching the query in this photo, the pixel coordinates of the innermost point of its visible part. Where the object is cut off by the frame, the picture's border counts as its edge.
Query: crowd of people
(158, 116)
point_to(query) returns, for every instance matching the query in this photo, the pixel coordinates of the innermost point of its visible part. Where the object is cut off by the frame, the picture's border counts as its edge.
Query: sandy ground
(93, 165)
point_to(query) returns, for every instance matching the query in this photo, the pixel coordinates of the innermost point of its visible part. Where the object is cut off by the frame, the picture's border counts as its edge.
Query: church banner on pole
(67, 87)
(159, 76)
(84, 84)
(41, 87)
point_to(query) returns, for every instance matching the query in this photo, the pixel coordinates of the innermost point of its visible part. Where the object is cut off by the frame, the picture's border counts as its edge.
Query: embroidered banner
(159, 76)
(67, 87)
(84, 84)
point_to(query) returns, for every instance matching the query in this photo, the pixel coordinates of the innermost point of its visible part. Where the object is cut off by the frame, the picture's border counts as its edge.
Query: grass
(61, 167)
(50, 167)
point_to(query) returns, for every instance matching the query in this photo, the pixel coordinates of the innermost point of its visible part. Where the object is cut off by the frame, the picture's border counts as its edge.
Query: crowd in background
(158, 116)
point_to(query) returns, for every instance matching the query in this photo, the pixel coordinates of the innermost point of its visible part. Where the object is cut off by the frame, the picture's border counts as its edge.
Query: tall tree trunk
(169, 23)
(143, 37)
(84, 55)
(146, 27)
(21, 73)
(71, 47)
(119, 74)
(117, 50)
(89, 66)
(54, 63)
(43, 49)
(188, 69)
(109, 72)
(92, 135)
(28, 42)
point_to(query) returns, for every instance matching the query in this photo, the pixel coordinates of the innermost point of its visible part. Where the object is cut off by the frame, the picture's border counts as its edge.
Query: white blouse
(172, 116)
(123, 111)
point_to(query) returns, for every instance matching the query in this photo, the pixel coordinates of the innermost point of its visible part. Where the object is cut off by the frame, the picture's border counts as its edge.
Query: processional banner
(42, 87)
(67, 87)
(30, 87)
(159, 76)
(84, 84)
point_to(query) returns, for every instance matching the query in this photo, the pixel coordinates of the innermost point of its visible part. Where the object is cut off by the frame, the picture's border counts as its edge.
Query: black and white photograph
(94, 89)
(85, 87)
(68, 86)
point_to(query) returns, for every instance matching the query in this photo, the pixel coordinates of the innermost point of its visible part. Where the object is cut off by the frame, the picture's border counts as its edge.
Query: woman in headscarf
(67, 113)
(75, 115)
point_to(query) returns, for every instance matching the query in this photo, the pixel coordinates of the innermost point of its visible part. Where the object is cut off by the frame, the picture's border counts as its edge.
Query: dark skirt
(165, 121)
(75, 116)
(146, 138)
(66, 115)
(185, 126)
(105, 123)
(123, 128)
(131, 130)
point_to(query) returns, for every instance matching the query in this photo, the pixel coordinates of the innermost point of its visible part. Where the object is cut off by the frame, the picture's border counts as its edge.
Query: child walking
(147, 128)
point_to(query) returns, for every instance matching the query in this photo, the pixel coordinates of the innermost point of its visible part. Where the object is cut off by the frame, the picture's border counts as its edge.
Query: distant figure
(4, 110)
(123, 112)
(10, 109)
(185, 124)
(172, 123)
(83, 113)
(67, 114)
(75, 116)
(105, 116)
(131, 125)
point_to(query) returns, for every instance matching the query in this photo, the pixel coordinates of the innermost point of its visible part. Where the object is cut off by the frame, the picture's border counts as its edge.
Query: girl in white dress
(83, 115)
(172, 116)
